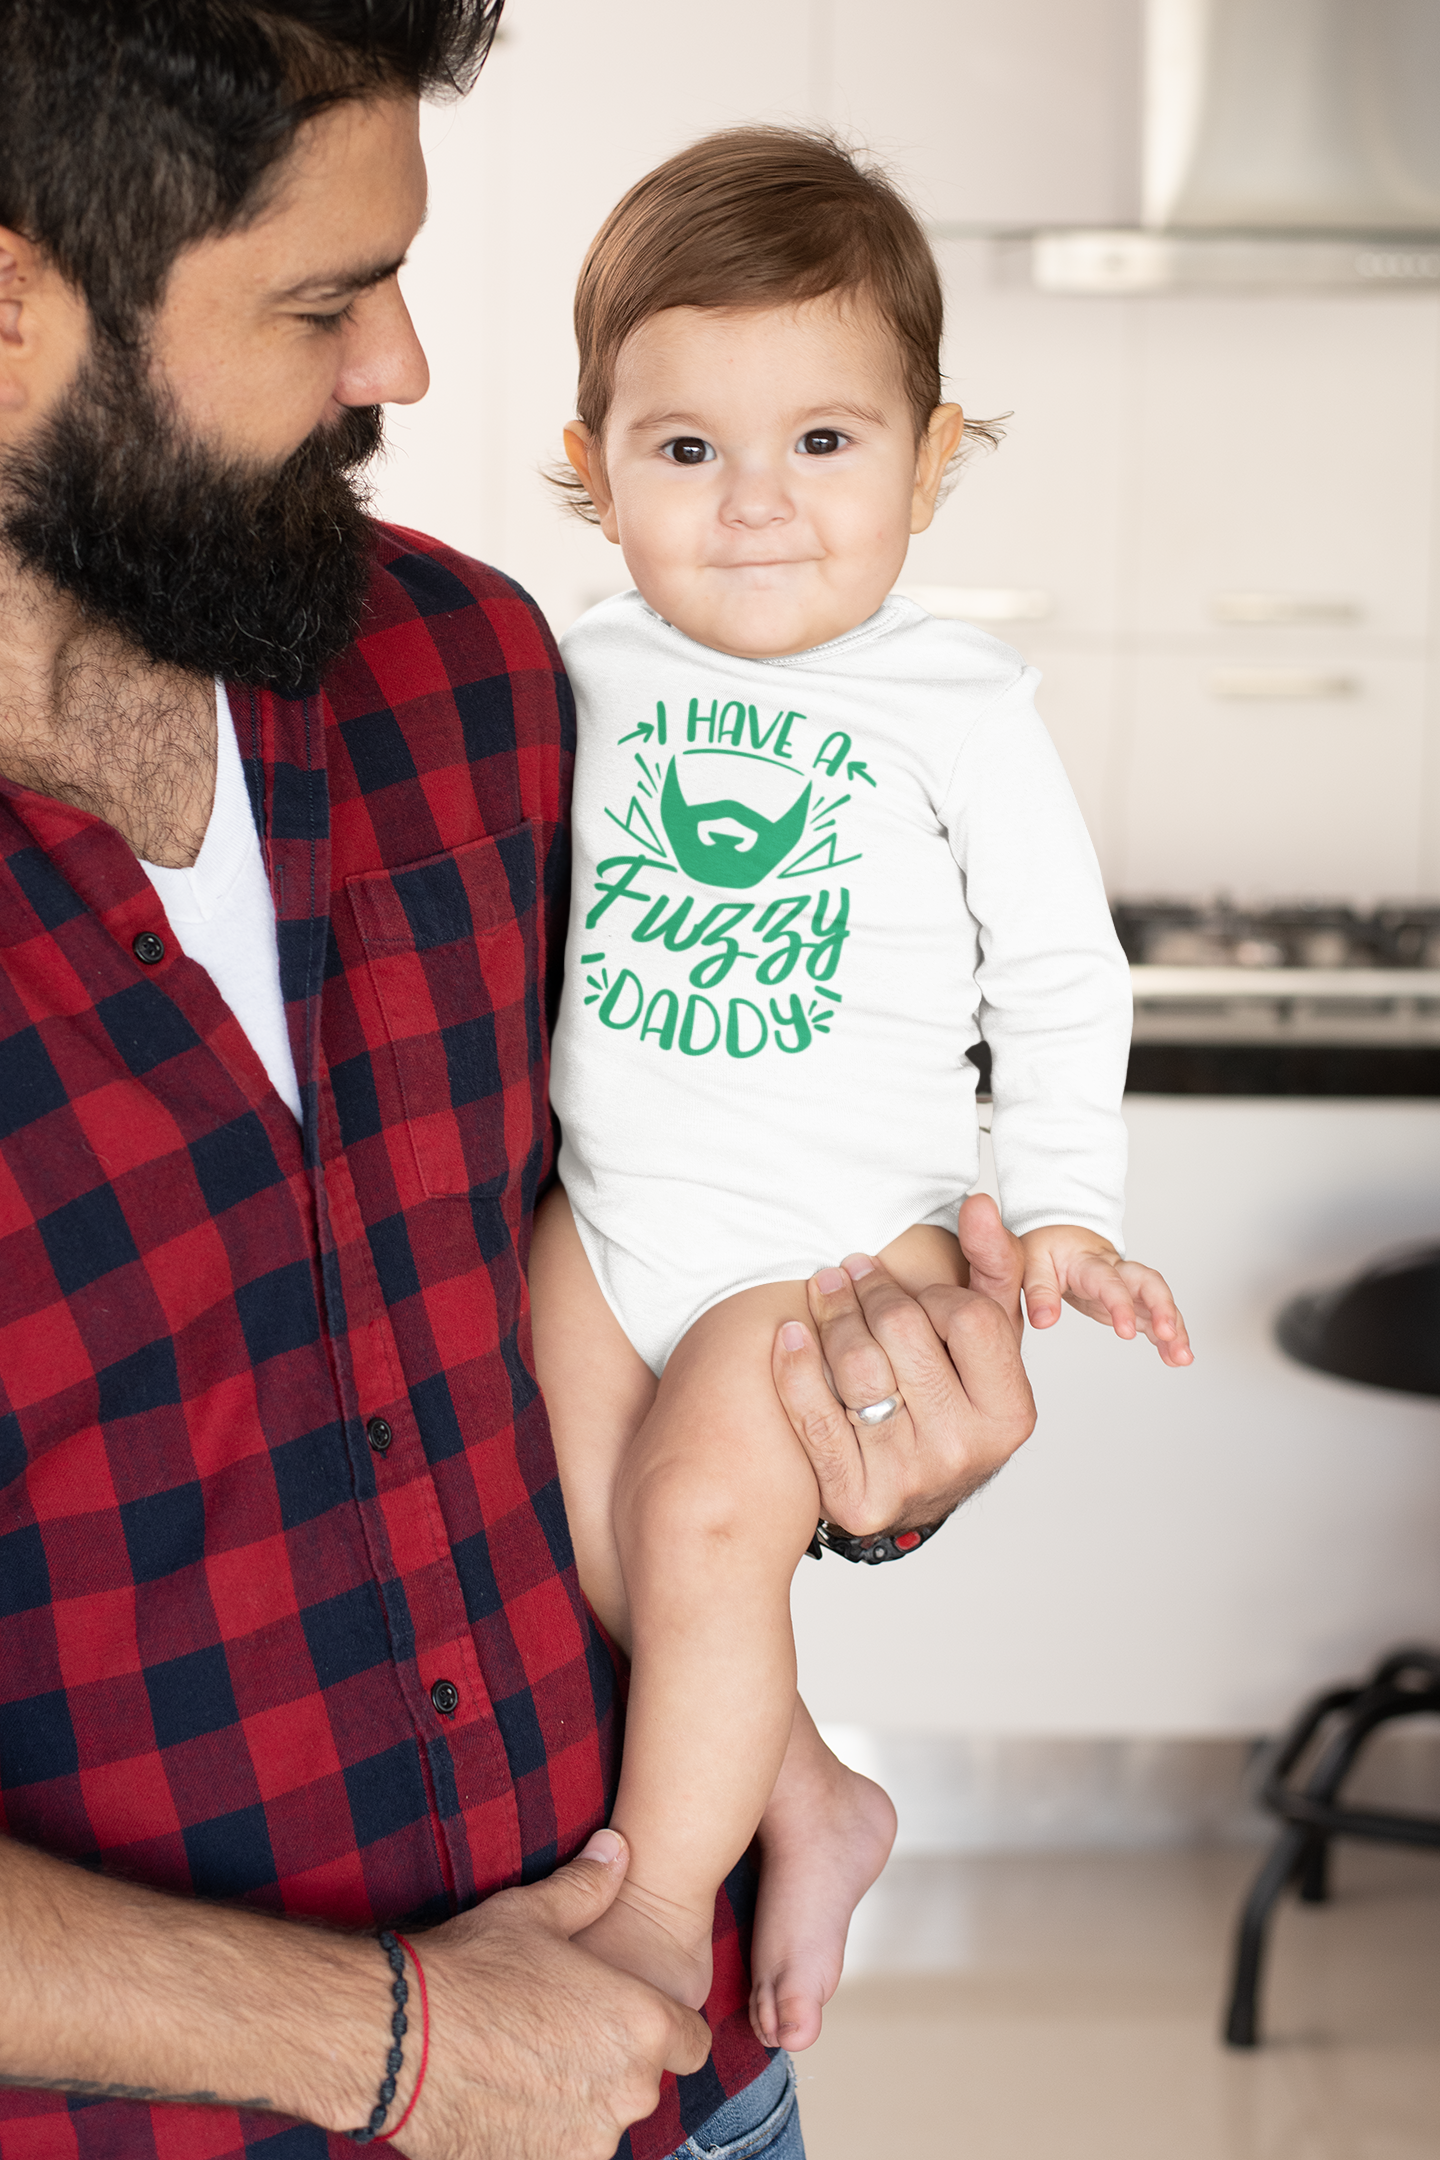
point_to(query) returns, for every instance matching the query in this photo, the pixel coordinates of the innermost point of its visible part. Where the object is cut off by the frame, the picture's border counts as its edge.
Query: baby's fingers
(1159, 1315)
(1099, 1286)
(1095, 1287)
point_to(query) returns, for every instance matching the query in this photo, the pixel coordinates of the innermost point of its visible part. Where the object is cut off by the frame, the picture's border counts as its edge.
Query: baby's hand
(1084, 1268)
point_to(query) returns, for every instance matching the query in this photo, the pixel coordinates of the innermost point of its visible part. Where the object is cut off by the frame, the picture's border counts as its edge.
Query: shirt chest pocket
(452, 950)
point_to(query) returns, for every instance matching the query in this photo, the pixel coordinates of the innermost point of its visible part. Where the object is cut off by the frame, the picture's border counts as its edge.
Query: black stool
(1382, 1329)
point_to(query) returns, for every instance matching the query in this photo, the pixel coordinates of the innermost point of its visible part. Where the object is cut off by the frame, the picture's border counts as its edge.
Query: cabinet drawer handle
(1278, 607)
(1282, 683)
(981, 603)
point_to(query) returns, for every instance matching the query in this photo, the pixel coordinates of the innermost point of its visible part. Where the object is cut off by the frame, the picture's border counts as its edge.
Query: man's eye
(330, 322)
(688, 450)
(821, 441)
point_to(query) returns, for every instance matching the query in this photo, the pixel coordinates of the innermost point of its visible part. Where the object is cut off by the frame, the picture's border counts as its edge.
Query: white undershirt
(222, 912)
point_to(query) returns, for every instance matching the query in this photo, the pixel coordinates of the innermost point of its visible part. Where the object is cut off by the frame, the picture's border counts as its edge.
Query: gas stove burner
(1173, 933)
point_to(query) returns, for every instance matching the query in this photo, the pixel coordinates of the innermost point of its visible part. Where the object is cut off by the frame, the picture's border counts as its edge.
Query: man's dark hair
(133, 128)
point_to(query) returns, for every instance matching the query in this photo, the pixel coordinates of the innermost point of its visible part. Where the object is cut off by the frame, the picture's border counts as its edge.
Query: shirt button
(148, 947)
(378, 1433)
(446, 1697)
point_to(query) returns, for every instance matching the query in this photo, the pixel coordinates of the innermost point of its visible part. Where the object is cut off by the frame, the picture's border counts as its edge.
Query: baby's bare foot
(656, 1940)
(824, 1838)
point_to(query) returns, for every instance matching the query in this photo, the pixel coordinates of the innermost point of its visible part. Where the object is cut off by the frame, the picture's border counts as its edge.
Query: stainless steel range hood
(1293, 115)
(1286, 142)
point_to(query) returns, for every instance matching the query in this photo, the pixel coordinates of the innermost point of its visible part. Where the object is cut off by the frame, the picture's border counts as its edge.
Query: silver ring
(878, 1413)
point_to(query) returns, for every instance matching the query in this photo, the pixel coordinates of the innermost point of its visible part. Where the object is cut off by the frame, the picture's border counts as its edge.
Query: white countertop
(1278, 982)
(1393, 1008)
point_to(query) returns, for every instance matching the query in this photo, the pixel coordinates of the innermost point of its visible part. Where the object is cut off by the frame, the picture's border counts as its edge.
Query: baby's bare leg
(826, 1832)
(714, 1506)
(597, 1390)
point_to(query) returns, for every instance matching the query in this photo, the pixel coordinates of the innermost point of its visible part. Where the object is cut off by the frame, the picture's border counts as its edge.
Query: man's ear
(937, 446)
(13, 267)
(44, 324)
(583, 451)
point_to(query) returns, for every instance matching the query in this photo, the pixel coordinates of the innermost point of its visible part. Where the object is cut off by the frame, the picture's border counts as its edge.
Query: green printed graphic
(726, 842)
(762, 816)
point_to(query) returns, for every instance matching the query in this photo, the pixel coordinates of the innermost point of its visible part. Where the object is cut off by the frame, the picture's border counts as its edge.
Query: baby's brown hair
(758, 217)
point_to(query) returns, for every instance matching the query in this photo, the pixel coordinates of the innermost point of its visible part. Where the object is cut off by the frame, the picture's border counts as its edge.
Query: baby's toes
(797, 2014)
(762, 2013)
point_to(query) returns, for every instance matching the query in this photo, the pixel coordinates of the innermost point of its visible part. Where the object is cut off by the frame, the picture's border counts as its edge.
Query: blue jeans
(761, 2123)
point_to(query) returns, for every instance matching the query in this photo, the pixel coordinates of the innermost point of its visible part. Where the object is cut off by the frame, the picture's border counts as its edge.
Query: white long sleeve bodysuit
(802, 888)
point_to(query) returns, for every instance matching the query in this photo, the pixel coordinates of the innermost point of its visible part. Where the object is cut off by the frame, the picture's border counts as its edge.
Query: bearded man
(291, 1645)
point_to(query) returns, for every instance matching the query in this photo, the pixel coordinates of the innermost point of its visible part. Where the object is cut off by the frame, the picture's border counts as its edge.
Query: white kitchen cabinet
(1045, 510)
(1286, 446)
(1177, 1553)
(1082, 711)
(1169, 454)
(1272, 798)
(1026, 114)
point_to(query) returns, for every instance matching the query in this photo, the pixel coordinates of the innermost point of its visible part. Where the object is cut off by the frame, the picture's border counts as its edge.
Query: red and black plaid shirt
(276, 1484)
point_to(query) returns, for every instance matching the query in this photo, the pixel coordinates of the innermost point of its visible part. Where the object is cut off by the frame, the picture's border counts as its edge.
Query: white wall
(1170, 450)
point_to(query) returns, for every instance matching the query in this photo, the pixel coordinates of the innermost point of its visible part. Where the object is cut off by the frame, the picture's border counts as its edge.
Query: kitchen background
(1213, 525)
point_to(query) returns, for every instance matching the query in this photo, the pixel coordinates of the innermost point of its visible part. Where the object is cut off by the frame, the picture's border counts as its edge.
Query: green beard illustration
(751, 848)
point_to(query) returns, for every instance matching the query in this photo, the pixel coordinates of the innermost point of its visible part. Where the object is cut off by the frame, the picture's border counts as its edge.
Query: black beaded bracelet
(399, 2026)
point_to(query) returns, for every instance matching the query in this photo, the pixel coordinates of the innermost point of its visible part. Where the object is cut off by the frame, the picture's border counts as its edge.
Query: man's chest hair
(116, 736)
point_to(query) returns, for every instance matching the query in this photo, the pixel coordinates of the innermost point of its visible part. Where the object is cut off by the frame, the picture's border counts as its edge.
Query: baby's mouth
(768, 562)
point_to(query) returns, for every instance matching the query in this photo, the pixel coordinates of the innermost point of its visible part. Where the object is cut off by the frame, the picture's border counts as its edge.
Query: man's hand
(953, 1354)
(536, 2047)
(1083, 1268)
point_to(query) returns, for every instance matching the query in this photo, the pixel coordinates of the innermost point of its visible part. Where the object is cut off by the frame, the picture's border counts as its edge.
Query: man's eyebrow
(331, 284)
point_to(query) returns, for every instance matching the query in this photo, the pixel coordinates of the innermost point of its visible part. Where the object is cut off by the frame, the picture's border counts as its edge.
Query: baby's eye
(821, 441)
(687, 450)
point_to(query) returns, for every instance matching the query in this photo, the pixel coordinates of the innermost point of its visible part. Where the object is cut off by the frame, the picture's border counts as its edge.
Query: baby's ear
(583, 450)
(938, 446)
(577, 449)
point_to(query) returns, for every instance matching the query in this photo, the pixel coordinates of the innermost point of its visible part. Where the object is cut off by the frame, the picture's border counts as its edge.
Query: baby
(822, 842)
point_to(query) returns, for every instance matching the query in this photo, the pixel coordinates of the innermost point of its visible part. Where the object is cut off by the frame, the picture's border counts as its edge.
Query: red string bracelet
(385, 2135)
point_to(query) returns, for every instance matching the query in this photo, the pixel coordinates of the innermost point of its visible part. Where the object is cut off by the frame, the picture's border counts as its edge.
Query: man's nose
(384, 361)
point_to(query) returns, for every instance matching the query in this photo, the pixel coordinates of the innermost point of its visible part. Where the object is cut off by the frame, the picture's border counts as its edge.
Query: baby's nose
(758, 507)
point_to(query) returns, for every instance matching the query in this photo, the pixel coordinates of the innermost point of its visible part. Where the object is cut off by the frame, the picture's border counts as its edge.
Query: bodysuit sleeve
(1054, 984)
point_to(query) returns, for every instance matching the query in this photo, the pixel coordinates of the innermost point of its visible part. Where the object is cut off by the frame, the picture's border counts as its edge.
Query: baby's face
(761, 472)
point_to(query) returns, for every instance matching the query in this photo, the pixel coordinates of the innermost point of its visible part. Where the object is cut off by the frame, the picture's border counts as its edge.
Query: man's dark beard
(259, 577)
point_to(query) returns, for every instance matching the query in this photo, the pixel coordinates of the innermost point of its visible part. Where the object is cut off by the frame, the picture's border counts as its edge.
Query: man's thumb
(995, 1258)
(580, 1891)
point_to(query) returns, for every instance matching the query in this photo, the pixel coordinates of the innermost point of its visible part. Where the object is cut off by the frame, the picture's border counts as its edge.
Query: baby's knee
(681, 1502)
